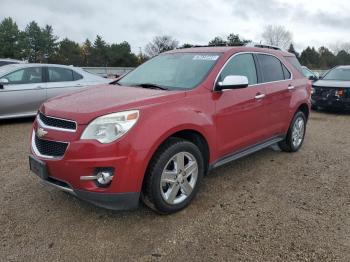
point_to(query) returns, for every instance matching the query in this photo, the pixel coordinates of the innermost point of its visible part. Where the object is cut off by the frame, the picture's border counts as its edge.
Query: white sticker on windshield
(206, 57)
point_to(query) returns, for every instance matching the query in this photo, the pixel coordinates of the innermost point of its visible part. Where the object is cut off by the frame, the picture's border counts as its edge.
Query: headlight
(109, 128)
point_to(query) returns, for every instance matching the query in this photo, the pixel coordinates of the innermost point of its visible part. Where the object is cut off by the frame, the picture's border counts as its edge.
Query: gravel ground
(270, 206)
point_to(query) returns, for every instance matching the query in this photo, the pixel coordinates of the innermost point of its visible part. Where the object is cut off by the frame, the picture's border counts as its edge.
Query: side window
(77, 76)
(271, 68)
(28, 75)
(243, 65)
(295, 62)
(57, 74)
(287, 74)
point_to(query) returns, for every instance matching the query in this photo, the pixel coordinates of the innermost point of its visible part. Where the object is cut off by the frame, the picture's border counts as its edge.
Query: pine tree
(9, 39)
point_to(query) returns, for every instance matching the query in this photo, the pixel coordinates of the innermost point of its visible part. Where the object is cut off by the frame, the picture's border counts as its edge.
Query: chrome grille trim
(37, 152)
(42, 124)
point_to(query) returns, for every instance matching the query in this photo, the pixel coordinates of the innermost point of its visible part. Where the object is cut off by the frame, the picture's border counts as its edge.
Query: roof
(232, 49)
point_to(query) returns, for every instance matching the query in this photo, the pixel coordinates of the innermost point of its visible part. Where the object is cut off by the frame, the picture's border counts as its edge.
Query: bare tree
(160, 44)
(277, 35)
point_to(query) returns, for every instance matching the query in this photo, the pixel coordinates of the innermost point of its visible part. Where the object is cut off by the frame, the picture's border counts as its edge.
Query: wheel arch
(190, 134)
(305, 109)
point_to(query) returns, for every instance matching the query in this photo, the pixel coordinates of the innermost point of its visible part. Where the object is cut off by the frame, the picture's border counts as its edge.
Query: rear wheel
(174, 176)
(296, 133)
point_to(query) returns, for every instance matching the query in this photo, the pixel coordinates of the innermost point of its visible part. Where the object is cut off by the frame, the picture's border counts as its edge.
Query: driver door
(241, 114)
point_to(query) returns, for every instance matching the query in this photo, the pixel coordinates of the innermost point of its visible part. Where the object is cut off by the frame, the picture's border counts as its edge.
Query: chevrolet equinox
(154, 133)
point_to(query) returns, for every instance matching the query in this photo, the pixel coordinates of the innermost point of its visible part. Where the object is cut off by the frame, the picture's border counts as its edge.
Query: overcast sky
(312, 22)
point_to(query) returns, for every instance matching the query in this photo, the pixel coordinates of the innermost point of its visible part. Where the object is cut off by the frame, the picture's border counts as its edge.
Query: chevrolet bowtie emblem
(40, 132)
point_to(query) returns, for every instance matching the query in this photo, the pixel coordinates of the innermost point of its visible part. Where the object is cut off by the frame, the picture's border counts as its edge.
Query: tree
(327, 58)
(338, 47)
(86, 52)
(68, 53)
(161, 44)
(343, 58)
(49, 42)
(33, 43)
(120, 55)
(235, 40)
(310, 58)
(217, 41)
(277, 36)
(186, 45)
(292, 50)
(99, 54)
(9, 39)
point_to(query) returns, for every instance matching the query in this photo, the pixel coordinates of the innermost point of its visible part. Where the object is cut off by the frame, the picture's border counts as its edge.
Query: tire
(168, 188)
(293, 144)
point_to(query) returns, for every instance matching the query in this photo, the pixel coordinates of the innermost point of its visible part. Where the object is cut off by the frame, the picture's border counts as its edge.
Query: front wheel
(174, 176)
(296, 133)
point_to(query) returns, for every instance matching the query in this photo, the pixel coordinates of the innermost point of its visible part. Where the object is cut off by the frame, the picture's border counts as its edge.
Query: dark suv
(154, 133)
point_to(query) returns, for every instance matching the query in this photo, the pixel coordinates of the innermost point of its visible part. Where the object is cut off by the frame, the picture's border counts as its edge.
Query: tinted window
(77, 76)
(25, 76)
(57, 74)
(271, 68)
(174, 71)
(294, 61)
(287, 74)
(242, 65)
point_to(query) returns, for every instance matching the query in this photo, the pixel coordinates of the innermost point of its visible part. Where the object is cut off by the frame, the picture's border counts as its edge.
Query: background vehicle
(333, 90)
(7, 61)
(161, 127)
(24, 87)
(311, 75)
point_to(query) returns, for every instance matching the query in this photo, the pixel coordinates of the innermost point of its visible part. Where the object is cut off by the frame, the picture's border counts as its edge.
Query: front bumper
(82, 158)
(331, 102)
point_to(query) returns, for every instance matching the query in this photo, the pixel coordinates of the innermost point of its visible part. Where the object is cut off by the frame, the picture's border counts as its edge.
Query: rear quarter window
(271, 68)
(295, 62)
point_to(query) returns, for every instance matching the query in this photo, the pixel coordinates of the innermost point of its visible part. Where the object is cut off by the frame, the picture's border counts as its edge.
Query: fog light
(104, 177)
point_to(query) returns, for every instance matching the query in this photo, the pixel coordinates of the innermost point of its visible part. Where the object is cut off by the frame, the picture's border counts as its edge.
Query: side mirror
(232, 82)
(3, 81)
(312, 78)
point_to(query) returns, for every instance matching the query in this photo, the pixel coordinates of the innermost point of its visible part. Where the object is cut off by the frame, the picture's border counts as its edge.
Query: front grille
(58, 123)
(50, 148)
(330, 91)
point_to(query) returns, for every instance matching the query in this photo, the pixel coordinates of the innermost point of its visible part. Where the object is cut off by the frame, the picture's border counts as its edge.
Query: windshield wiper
(152, 86)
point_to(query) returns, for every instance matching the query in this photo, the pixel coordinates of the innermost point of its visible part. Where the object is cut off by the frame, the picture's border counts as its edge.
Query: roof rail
(263, 46)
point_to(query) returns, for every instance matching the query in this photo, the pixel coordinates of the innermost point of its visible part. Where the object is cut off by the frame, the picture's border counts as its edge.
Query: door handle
(291, 87)
(259, 96)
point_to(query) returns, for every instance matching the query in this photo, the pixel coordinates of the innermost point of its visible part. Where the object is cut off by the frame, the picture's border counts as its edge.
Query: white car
(24, 87)
(8, 61)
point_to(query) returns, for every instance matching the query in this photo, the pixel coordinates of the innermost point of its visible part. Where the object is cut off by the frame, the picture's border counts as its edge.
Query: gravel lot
(270, 206)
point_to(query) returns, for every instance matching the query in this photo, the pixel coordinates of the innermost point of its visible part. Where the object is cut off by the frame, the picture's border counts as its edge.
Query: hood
(87, 104)
(332, 83)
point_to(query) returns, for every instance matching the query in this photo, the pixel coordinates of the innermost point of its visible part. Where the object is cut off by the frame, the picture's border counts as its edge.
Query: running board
(245, 152)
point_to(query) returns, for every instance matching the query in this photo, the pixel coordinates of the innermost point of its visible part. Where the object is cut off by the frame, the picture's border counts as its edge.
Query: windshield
(341, 74)
(172, 71)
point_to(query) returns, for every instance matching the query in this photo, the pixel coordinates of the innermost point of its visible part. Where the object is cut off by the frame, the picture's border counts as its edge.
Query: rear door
(62, 80)
(277, 80)
(241, 114)
(24, 93)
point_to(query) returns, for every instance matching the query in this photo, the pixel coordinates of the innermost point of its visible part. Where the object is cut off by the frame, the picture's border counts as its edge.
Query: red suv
(155, 133)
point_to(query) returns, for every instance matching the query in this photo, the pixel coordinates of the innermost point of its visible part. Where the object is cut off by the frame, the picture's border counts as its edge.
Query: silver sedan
(24, 87)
